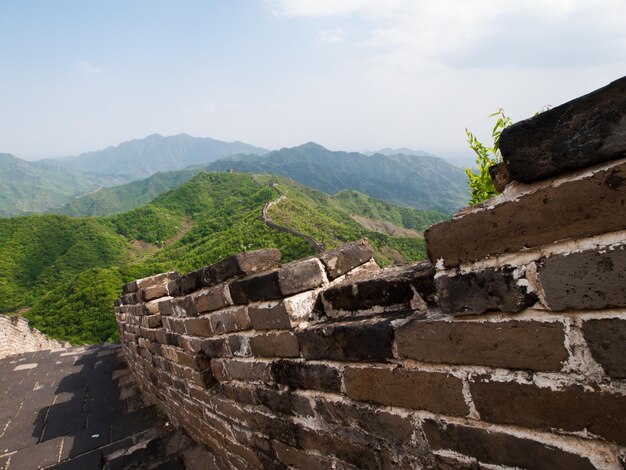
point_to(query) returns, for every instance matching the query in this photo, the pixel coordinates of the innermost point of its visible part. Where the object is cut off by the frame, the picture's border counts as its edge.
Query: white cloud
(332, 36)
(88, 68)
(320, 8)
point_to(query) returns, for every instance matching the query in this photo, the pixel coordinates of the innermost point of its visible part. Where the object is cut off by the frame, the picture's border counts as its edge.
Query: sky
(352, 75)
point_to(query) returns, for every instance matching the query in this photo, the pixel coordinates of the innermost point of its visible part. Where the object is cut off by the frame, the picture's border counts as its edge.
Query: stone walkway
(78, 408)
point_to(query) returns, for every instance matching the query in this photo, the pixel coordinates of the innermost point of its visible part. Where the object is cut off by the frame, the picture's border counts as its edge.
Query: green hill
(418, 181)
(421, 181)
(69, 270)
(122, 198)
(27, 187)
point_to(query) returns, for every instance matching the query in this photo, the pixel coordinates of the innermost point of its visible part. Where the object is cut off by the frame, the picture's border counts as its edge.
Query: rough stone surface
(398, 288)
(212, 298)
(280, 344)
(500, 449)
(264, 286)
(588, 280)
(482, 291)
(607, 341)
(590, 205)
(343, 259)
(570, 409)
(500, 176)
(435, 392)
(511, 344)
(301, 276)
(367, 340)
(307, 376)
(269, 317)
(578, 134)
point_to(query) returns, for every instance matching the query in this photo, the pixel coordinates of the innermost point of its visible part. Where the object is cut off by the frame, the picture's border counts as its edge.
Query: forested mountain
(418, 181)
(27, 187)
(141, 158)
(69, 270)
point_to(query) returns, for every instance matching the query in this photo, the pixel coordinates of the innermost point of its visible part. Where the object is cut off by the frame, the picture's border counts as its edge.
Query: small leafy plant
(480, 183)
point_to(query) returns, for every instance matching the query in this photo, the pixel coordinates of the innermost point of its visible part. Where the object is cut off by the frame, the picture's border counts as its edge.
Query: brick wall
(506, 349)
(17, 337)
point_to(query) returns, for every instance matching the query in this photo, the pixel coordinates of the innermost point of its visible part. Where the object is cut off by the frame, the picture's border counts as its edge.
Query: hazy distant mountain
(419, 181)
(141, 158)
(27, 187)
(400, 150)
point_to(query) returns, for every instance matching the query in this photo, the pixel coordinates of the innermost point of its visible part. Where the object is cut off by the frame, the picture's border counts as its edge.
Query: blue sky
(348, 74)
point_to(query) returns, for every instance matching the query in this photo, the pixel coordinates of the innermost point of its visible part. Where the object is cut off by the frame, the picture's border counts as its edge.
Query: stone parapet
(506, 350)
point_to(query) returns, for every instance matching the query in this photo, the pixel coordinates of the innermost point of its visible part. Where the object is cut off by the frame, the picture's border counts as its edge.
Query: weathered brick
(569, 409)
(580, 133)
(397, 429)
(607, 341)
(215, 347)
(269, 317)
(298, 458)
(151, 321)
(174, 325)
(307, 376)
(510, 344)
(430, 391)
(484, 290)
(300, 276)
(365, 340)
(178, 307)
(577, 208)
(230, 320)
(279, 344)
(585, 280)
(212, 298)
(190, 344)
(239, 345)
(196, 361)
(237, 369)
(345, 258)
(200, 326)
(153, 305)
(497, 448)
(284, 402)
(396, 288)
(327, 444)
(256, 288)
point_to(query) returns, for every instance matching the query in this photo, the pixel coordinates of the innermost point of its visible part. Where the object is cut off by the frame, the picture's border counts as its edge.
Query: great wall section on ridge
(507, 349)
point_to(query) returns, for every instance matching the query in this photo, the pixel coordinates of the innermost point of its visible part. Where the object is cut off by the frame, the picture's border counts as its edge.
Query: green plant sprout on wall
(481, 186)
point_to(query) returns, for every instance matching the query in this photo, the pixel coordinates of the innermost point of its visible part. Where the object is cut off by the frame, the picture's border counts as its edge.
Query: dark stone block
(570, 409)
(497, 448)
(345, 258)
(500, 176)
(607, 341)
(307, 376)
(475, 292)
(580, 133)
(511, 344)
(392, 287)
(255, 288)
(430, 391)
(590, 205)
(365, 340)
(586, 280)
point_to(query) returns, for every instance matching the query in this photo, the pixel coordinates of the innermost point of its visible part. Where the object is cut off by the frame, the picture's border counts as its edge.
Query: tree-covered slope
(69, 270)
(122, 198)
(418, 181)
(27, 187)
